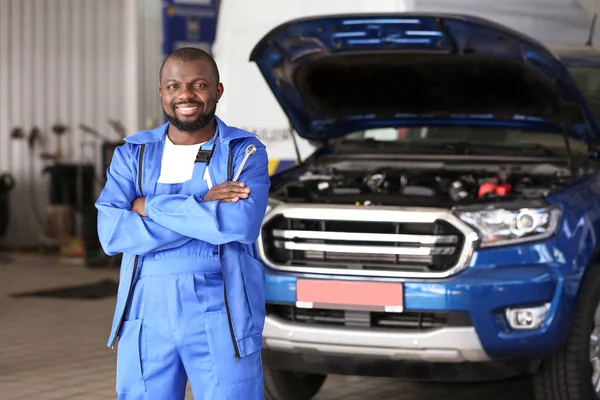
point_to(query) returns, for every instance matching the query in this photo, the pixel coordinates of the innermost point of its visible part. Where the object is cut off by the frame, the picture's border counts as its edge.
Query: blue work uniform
(191, 297)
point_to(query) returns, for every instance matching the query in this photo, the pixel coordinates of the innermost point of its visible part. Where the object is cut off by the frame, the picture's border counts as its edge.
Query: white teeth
(187, 108)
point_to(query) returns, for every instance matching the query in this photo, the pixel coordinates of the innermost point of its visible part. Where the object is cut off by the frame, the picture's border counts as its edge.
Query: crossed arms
(229, 212)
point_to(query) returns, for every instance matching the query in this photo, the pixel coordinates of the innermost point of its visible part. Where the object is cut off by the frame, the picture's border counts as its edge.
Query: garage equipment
(7, 183)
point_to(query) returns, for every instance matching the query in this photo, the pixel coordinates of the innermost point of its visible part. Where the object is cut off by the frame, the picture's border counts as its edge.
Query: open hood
(332, 74)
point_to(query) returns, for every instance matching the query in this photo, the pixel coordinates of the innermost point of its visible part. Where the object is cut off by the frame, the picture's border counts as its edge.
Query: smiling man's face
(189, 91)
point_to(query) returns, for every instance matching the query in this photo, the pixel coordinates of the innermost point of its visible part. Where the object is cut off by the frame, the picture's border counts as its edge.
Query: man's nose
(186, 93)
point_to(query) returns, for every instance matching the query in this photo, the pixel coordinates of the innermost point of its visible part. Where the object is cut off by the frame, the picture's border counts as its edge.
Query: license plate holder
(350, 295)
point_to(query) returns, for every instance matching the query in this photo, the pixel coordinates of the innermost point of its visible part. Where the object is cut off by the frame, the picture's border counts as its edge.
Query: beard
(191, 126)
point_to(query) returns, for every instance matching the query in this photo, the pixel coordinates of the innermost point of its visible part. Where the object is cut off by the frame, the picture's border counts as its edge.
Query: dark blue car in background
(447, 227)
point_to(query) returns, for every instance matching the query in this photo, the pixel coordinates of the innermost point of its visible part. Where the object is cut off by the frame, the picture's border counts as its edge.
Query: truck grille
(368, 241)
(406, 321)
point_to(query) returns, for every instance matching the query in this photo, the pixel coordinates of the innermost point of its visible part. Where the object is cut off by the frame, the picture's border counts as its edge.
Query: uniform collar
(158, 134)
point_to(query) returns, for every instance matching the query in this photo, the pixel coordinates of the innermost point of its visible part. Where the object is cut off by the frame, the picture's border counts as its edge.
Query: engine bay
(420, 187)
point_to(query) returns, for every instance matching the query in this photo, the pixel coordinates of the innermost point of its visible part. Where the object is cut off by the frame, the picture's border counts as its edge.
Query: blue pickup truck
(447, 227)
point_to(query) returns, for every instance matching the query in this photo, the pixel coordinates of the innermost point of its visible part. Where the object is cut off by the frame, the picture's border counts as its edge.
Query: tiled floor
(55, 349)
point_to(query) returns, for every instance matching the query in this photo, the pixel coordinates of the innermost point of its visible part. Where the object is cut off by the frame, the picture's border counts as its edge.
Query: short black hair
(191, 54)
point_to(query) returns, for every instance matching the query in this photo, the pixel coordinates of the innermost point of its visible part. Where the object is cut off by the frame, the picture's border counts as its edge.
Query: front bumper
(443, 345)
(483, 293)
(339, 364)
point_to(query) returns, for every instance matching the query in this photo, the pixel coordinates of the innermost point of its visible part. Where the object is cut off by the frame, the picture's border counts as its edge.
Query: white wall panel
(591, 6)
(5, 85)
(61, 61)
(553, 22)
(151, 58)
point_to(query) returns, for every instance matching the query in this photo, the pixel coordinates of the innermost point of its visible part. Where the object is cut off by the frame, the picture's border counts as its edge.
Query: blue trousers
(176, 329)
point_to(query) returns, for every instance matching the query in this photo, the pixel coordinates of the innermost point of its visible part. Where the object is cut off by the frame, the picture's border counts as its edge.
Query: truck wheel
(286, 385)
(574, 373)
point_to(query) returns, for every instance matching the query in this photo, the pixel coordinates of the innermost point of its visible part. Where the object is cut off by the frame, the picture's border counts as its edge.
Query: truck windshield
(588, 81)
(489, 138)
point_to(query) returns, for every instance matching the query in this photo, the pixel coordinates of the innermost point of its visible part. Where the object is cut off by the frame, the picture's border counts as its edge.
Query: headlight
(512, 225)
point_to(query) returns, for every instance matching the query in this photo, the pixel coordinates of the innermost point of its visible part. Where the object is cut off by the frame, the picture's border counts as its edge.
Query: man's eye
(172, 87)
(201, 86)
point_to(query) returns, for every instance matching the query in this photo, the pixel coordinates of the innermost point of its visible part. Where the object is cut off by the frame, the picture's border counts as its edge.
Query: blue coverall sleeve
(121, 230)
(218, 222)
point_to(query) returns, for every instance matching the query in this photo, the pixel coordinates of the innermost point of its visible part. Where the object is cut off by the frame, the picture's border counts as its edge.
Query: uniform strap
(206, 155)
(140, 167)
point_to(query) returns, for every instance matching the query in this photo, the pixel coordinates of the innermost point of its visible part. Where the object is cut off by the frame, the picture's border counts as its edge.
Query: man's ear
(160, 90)
(220, 90)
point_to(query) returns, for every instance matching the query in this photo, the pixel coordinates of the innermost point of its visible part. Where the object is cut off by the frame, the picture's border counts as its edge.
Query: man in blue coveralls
(191, 300)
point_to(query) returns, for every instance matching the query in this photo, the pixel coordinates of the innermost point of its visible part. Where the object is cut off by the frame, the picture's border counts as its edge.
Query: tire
(568, 374)
(286, 385)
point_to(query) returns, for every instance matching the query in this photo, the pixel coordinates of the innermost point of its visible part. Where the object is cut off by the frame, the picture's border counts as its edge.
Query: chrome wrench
(250, 150)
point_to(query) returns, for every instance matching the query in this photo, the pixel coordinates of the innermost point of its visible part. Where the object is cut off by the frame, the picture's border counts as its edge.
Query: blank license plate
(350, 295)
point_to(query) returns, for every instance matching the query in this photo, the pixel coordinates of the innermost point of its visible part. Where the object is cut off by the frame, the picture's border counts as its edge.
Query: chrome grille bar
(341, 213)
(367, 237)
(366, 258)
(334, 248)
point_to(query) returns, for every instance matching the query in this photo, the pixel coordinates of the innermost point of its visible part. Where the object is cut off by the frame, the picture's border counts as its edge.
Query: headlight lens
(504, 226)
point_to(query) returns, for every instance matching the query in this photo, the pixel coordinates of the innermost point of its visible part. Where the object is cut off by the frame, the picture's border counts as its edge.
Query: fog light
(527, 318)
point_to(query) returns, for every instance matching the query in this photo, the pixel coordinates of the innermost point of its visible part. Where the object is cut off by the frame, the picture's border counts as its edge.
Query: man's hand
(228, 192)
(139, 206)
